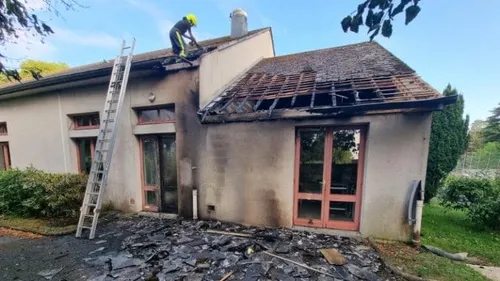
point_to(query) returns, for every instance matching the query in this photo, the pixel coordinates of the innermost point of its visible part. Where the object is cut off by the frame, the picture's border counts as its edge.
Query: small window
(3, 128)
(4, 156)
(87, 121)
(156, 115)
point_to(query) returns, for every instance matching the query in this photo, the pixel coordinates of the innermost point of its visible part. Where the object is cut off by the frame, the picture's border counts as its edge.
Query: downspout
(415, 208)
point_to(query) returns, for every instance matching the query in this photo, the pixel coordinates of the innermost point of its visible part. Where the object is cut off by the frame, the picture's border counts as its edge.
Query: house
(331, 138)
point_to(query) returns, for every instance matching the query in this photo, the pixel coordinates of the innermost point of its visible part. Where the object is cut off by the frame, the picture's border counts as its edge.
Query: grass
(450, 230)
(39, 226)
(427, 265)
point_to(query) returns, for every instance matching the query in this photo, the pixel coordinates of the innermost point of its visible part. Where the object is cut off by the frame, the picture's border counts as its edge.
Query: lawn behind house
(449, 230)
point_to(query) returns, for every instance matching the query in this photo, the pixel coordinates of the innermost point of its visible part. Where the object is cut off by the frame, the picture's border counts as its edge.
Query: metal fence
(479, 160)
(478, 164)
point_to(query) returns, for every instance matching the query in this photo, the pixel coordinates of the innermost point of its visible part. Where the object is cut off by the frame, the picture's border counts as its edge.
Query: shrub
(33, 193)
(487, 212)
(463, 192)
(479, 198)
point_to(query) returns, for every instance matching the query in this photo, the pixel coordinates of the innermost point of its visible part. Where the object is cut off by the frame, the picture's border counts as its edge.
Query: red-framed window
(3, 128)
(86, 121)
(4, 156)
(85, 148)
(155, 115)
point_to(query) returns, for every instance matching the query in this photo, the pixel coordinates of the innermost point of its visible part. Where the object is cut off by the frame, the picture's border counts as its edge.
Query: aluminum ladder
(98, 176)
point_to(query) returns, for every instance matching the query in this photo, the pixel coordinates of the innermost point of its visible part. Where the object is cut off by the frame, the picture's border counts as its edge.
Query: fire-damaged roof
(354, 79)
(139, 61)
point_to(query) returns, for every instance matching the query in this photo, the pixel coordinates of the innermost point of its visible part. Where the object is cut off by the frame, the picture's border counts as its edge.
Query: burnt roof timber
(324, 112)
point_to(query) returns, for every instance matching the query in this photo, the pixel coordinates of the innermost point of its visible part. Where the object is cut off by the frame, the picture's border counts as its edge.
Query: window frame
(170, 107)
(93, 141)
(6, 129)
(6, 152)
(89, 114)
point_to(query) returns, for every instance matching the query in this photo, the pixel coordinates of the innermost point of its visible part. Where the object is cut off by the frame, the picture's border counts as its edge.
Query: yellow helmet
(192, 19)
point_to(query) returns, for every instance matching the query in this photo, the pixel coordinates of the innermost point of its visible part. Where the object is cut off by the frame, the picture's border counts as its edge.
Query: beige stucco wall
(246, 170)
(40, 129)
(221, 66)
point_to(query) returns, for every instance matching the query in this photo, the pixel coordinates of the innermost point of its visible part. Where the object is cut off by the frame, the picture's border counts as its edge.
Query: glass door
(309, 181)
(343, 197)
(159, 173)
(150, 173)
(168, 164)
(328, 177)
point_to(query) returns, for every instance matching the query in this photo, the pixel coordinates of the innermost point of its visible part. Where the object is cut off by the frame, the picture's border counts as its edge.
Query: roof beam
(313, 96)
(261, 98)
(297, 89)
(271, 108)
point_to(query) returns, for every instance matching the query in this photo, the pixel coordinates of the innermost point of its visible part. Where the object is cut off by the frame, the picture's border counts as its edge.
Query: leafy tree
(476, 140)
(378, 15)
(36, 69)
(492, 131)
(17, 18)
(448, 141)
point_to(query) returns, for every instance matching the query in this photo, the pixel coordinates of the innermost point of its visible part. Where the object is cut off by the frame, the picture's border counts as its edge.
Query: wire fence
(478, 165)
(479, 160)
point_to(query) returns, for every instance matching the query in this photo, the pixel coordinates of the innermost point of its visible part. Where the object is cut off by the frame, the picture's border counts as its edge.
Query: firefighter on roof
(179, 31)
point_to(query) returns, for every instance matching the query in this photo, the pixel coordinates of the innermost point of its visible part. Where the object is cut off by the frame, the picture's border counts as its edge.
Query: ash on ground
(167, 250)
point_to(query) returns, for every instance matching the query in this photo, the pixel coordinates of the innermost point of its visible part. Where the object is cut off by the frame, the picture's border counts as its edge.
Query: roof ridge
(139, 57)
(324, 49)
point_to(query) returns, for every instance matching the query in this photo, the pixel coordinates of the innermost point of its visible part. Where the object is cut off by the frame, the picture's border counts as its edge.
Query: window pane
(342, 211)
(149, 115)
(169, 174)
(3, 128)
(312, 146)
(167, 114)
(151, 162)
(95, 120)
(85, 154)
(309, 209)
(2, 158)
(345, 161)
(151, 197)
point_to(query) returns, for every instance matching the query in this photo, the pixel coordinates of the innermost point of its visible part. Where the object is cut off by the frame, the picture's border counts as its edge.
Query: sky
(451, 41)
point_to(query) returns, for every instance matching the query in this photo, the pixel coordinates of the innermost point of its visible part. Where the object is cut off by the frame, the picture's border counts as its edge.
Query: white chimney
(239, 24)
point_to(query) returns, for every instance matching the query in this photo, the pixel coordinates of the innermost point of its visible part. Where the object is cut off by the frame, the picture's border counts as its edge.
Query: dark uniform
(179, 29)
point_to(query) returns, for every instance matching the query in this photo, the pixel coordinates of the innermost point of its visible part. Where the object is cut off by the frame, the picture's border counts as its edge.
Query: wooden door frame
(325, 197)
(5, 147)
(76, 141)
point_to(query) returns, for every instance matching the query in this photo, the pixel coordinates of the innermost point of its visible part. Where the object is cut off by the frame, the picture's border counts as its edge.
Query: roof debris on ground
(211, 250)
(354, 78)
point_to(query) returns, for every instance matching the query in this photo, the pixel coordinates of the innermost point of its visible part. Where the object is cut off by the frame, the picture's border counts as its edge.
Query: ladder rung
(110, 110)
(86, 227)
(91, 204)
(112, 101)
(89, 216)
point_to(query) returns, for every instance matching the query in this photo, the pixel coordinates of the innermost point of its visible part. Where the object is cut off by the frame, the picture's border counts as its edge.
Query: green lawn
(451, 231)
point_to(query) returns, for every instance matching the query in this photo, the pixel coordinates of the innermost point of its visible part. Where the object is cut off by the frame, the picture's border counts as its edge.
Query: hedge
(479, 198)
(34, 193)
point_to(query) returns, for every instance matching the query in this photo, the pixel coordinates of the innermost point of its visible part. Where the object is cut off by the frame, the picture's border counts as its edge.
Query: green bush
(479, 198)
(33, 193)
(487, 212)
(463, 192)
